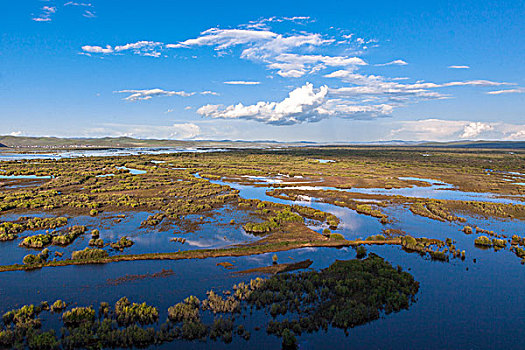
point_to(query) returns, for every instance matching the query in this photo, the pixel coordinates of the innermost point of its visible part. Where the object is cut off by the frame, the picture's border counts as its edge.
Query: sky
(330, 71)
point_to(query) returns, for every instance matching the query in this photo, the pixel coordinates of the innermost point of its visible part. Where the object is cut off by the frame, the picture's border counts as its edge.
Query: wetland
(299, 247)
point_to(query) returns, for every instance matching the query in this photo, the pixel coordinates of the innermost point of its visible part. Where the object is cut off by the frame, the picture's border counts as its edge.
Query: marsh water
(476, 303)
(111, 152)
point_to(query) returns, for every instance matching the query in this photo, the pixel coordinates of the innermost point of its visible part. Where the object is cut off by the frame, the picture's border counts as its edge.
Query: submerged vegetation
(344, 295)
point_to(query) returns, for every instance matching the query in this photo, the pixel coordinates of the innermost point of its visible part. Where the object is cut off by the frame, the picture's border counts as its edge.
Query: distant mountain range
(129, 142)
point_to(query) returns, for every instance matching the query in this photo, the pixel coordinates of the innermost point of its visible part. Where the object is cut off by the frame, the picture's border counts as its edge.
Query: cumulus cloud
(242, 82)
(446, 130)
(140, 95)
(474, 129)
(459, 67)
(300, 105)
(303, 104)
(393, 63)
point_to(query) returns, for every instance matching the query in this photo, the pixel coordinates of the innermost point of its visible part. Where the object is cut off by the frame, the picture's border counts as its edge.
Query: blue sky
(273, 70)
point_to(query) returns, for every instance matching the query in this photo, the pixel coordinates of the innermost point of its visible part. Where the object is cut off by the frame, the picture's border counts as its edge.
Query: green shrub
(483, 241)
(78, 315)
(58, 306)
(89, 254)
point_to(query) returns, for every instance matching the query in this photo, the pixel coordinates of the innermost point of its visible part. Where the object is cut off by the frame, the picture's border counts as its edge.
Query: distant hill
(119, 142)
(129, 142)
(477, 144)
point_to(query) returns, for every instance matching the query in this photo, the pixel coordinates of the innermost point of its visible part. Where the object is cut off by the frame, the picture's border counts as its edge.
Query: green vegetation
(78, 316)
(360, 252)
(273, 223)
(127, 313)
(89, 254)
(434, 209)
(37, 241)
(431, 247)
(10, 230)
(376, 238)
(344, 295)
(484, 241)
(123, 242)
(71, 234)
(39, 259)
(58, 306)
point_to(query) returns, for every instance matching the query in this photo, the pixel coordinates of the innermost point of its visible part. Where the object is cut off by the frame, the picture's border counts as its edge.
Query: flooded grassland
(334, 246)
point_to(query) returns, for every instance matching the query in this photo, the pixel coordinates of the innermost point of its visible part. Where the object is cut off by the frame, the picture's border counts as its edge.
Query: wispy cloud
(242, 82)
(46, 14)
(508, 91)
(83, 4)
(173, 131)
(459, 67)
(143, 48)
(286, 54)
(141, 95)
(393, 63)
(89, 14)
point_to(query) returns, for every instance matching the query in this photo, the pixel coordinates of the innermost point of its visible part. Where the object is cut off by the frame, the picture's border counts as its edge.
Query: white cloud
(304, 104)
(72, 3)
(351, 94)
(242, 82)
(89, 14)
(209, 93)
(446, 130)
(273, 49)
(263, 22)
(459, 67)
(97, 49)
(173, 131)
(508, 91)
(387, 90)
(300, 105)
(474, 129)
(294, 65)
(393, 63)
(140, 95)
(47, 13)
(143, 48)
